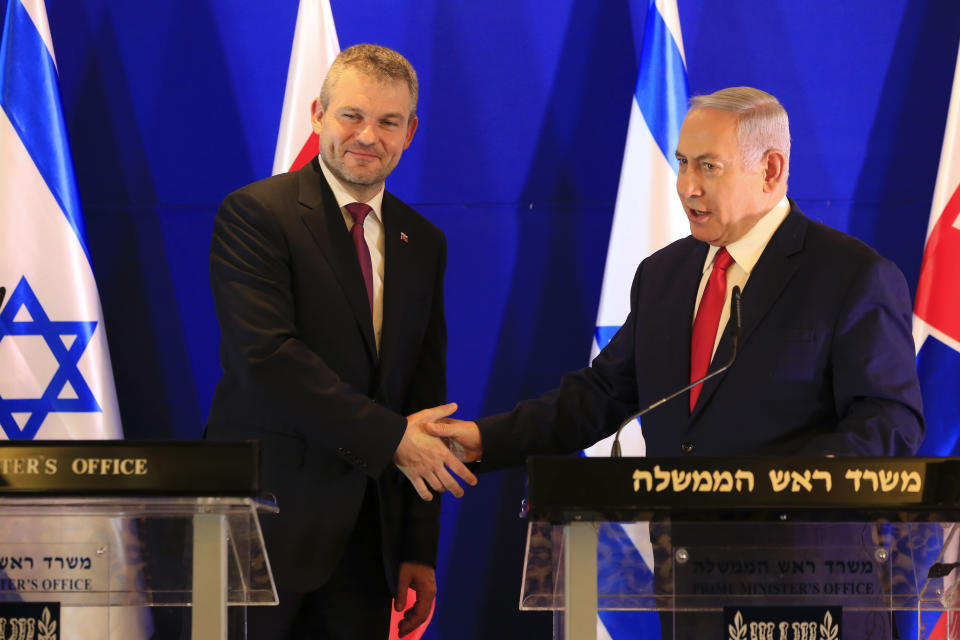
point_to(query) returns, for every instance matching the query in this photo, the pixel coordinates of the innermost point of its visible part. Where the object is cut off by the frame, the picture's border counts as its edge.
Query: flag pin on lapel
(403, 237)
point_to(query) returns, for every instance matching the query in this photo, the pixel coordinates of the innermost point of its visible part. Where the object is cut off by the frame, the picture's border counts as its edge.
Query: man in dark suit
(329, 294)
(826, 359)
(825, 364)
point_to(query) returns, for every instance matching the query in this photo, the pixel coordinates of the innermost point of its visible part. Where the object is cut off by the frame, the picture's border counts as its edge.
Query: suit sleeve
(251, 277)
(429, 389)
(876, 391)
(588, 405)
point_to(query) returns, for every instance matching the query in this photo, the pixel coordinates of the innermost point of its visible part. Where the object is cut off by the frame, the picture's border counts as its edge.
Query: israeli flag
(647, 217)
(936, 326)
(648, 214)
(55, 376)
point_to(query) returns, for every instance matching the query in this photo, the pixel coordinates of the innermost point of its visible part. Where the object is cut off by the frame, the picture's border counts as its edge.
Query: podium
(103, 533)
(745, 548)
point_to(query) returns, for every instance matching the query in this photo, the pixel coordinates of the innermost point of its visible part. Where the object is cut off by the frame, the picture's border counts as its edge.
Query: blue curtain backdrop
(524, 107)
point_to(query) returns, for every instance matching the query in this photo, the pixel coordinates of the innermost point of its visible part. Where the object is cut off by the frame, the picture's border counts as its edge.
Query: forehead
(357, 89)
(708, 132)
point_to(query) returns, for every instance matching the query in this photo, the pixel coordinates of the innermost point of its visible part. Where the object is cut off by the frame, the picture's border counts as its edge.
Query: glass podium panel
(691, 575)
(110, 562)
(741, 548)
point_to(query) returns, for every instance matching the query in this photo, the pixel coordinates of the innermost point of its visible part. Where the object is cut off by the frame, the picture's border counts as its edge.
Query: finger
(450, 484)
(421, 488)
(435, 413)
(435, 482)
(400, 602)
(461, 470)
(417, 614)
(441, 429)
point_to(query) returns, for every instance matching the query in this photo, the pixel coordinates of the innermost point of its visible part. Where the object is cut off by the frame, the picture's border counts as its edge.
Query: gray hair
(762, 123)
(376, 61)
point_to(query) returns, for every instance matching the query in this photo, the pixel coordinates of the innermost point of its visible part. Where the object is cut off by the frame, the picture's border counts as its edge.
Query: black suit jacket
(301, 372)
(825, 365)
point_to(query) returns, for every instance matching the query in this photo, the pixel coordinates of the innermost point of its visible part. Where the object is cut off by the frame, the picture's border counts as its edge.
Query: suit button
(687, 447)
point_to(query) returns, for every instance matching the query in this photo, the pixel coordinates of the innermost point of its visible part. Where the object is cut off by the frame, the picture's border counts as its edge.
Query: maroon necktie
(358, 211)
(705, 324)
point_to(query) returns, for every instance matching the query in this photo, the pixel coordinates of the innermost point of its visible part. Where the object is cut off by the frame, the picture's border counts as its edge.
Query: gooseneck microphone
(735, 315)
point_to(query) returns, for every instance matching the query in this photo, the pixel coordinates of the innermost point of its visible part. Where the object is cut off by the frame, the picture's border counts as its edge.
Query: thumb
(440, 429)
(400, 602)
(435, 413)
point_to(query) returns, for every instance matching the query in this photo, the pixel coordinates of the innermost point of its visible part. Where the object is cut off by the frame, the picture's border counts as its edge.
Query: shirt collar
(343, 196)
(746, 251)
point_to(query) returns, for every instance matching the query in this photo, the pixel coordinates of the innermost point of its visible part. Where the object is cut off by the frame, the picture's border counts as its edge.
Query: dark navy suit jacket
(301, 372)
(825, 365)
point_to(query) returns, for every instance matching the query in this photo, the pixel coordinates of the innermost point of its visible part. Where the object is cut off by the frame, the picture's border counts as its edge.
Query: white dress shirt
(745, 253)
(372, 233)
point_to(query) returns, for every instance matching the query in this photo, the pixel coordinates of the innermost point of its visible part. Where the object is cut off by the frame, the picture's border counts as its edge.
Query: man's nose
(366, 134)
(688, 184)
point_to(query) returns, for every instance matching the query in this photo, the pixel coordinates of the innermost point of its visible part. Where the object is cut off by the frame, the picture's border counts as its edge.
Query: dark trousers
(354, 604)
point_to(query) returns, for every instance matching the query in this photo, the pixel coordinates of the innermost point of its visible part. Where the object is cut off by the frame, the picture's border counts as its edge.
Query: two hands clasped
(434, 449)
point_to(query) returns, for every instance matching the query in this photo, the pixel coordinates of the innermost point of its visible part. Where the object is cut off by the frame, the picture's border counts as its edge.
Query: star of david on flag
(66, 391)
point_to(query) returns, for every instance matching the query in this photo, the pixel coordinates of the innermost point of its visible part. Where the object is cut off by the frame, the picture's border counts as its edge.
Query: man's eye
(709, 166)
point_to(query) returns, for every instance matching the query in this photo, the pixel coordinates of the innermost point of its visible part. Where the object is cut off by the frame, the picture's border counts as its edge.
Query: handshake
(434, 448)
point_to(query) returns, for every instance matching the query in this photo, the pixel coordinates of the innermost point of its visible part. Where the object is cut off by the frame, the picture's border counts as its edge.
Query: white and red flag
(315, 46)
(936, 326)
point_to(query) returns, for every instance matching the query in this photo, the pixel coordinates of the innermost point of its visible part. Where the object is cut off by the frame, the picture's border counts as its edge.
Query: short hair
(762, 123)
(376, 61)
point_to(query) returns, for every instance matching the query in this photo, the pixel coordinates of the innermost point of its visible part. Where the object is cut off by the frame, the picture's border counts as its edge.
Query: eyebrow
(702, 156)
(392, 114)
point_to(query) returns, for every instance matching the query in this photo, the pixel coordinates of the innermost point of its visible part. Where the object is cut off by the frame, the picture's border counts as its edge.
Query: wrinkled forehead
(357, 86)
(707, 131)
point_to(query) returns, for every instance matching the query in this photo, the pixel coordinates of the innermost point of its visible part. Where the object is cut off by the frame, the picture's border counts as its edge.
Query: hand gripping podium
(745, 548)
(96, 536)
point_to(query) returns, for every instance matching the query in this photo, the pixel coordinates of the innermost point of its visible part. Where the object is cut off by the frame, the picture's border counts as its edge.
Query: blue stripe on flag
(662, 92)
(604, 335)
(939, 369)
(30, 96)
(623, 572)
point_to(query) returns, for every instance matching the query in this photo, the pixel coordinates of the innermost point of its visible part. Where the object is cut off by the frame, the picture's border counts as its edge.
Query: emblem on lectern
(783, 623)
(29, 620)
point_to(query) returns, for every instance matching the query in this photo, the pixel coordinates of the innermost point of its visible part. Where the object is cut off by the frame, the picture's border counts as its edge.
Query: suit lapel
(323, 219)
(398, 272)
(675, 345)
(767, 282)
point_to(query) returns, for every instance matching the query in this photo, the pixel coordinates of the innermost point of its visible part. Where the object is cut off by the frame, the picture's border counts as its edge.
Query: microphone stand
(735, 314)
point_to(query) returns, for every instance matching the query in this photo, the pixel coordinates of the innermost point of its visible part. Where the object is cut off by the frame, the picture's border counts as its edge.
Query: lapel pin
(403, 237)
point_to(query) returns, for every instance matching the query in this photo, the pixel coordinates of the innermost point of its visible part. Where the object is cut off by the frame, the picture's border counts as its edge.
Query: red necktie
(705, 324)
(358, 211)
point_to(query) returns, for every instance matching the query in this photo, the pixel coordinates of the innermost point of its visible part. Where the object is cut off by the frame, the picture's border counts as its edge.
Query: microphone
(3, 292)
(735, 315)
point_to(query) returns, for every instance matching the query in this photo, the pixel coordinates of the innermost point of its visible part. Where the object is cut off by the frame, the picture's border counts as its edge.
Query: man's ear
(774, 170)
(316, 115)
(411, 129)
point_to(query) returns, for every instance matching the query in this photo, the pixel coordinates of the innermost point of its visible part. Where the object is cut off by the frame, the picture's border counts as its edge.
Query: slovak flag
(936, 318)
(315, 46)
(647, 216)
